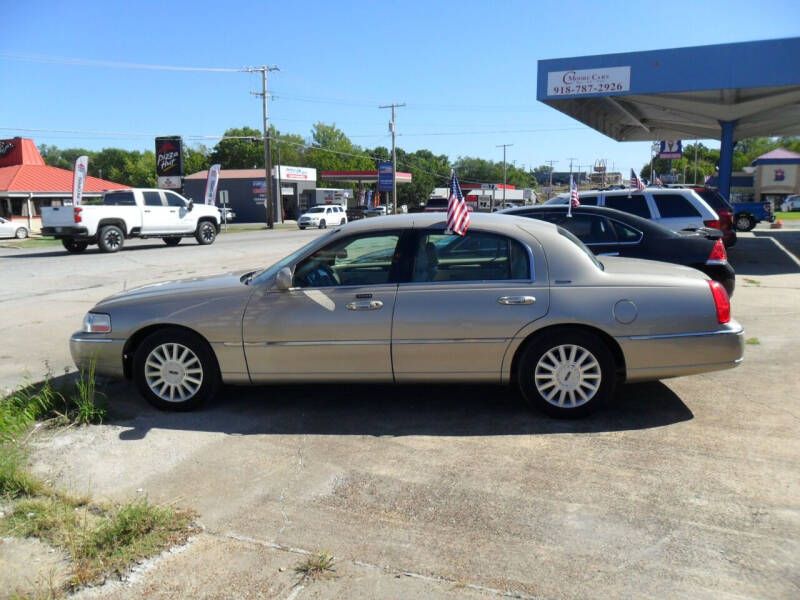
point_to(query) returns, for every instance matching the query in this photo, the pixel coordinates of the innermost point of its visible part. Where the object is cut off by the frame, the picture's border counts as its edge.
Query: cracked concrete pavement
(686, 488)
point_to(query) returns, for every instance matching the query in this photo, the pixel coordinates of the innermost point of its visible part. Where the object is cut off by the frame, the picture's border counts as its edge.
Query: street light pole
(491, 204)
(267, 145)
(550, 185)
(393, 128)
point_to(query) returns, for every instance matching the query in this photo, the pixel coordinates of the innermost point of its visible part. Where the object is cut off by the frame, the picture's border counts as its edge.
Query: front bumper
(105, 352)
(650, 357)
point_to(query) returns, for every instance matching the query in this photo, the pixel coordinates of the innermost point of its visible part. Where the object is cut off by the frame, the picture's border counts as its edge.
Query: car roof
(651, 227)
(486, 221)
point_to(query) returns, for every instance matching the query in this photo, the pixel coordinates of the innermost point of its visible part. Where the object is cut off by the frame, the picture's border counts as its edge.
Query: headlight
(96, 323)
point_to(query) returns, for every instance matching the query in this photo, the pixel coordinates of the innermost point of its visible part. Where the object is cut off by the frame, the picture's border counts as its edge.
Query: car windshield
(582, 246)
(270, 272)
(317, 209)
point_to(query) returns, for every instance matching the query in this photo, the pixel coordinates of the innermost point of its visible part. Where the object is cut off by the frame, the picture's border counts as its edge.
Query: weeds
(753, 341)
(754, 282)
(316, 566)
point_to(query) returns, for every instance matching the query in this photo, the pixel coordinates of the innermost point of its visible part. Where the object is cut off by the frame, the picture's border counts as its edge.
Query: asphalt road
(689, 488)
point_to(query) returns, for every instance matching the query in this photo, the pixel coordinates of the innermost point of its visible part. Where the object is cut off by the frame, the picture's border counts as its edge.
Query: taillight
(711, 224)
(721, 301)
(76, 214)
(718, 254)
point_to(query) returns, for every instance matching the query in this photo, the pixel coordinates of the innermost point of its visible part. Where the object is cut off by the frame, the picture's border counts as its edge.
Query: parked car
(354, 213)
(227, 214)
(123, 214)
(397, 299)
(723, 209)
(746, 215)
(9, 229)
(791, 204)
(323, 215)
(609, 232)
(676, 209)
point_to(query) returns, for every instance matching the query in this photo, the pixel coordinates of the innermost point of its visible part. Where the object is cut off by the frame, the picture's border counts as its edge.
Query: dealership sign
(297, 174)
(211, 185)
(79, 179)
(670, 149)
(578, 82)
(169, 161)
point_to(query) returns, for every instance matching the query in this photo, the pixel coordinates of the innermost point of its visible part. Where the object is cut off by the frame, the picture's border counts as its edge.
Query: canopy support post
(726, 158)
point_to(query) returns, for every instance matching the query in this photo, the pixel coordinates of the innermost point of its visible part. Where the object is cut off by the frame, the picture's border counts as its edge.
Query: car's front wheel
(206, 233)
(322, 224)
(21, 233)
(175, 369)
(567, 373)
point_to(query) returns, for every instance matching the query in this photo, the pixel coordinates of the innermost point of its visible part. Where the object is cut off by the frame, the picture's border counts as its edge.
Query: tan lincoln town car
(399, 299)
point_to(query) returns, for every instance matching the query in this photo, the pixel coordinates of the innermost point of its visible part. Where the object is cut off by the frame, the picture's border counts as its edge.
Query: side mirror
(190, 205)
(283, 279)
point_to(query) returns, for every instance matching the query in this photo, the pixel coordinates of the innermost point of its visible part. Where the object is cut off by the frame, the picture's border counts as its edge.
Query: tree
(241, 148)
(196, 159)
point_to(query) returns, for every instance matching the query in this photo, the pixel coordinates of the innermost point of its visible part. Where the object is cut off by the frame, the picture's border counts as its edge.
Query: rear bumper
(105, 352)
(66, 232)
(650, 357)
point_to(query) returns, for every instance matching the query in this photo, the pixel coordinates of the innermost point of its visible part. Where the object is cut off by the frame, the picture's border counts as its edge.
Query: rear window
(715, 200)
(636, 204)
(588, 200)
(675, 205)
(119, 199)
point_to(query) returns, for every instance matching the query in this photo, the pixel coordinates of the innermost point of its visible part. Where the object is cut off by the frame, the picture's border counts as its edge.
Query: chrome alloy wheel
(567, 376)
(173, 372)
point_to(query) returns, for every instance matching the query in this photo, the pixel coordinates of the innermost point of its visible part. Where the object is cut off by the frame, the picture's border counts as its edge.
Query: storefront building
(246, 190)
(27, 183)
(770, 178)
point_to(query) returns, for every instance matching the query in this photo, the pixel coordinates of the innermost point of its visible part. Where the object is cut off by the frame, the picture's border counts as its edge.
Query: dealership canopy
(726, 92)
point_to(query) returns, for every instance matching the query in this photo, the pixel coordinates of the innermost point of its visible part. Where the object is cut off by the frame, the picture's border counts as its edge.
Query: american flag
(574, 202)
(636, 182)
(457, 212)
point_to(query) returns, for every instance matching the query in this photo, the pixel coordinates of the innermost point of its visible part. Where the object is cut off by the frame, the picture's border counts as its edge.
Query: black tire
(206, 233)
(745, 222)
(323, 224)
(172, 241)
(147, 376)
(342, 222)
(301, 227)
(21, 233)
(74, 246)
(597, 362)
(111, 238)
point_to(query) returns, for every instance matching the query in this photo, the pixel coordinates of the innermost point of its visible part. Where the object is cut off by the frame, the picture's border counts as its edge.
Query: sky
(466, 70)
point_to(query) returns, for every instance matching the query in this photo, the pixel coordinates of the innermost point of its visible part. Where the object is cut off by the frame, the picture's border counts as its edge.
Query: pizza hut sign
(169, 156)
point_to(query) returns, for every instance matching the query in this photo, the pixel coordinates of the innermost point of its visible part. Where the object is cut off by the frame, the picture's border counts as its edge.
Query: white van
(676, 209)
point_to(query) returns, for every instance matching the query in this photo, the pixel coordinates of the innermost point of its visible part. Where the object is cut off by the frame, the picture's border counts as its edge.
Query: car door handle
(516, 300)
(147, 211)
(364, 305)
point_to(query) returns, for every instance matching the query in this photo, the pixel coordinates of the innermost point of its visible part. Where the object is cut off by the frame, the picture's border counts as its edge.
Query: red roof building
(27, 183)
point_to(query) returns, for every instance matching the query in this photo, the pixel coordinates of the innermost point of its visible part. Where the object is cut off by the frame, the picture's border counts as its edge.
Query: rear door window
(626, 234)
(674, 205)
(588, 200)
(635, 204)
(152, 199)
(119, 199)
(590, 229)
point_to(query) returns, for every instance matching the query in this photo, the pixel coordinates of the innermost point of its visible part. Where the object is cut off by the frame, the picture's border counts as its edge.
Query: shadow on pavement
(393, 411)
(59, 251)
(759, 255)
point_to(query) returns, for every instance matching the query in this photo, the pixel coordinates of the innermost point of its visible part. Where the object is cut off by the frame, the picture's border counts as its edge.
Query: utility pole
(550, 185)
(393, 129)
(267, 145)
(695, 162)
(491, 205)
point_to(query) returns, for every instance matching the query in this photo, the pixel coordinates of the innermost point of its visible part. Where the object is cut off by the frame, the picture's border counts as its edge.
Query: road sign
(223, 197)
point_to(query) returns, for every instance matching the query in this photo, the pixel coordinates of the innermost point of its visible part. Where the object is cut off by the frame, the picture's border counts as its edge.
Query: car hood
(193, 286)
(618, 265)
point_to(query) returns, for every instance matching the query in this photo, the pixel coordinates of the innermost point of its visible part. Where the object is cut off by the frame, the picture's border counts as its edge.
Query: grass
(753, 341)
(316, 566)
(100, 539)
(750, 281)
(34, 242)
(788, 216)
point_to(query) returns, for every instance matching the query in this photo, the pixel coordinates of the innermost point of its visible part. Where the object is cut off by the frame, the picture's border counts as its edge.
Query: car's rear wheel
(745, 222)
(175, 369)
(74, 246)
(172, 241)
(21, 233)
(111, 238)
(567, 373)
(206, 233)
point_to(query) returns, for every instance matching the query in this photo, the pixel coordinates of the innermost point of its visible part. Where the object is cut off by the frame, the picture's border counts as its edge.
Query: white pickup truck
(131, 213)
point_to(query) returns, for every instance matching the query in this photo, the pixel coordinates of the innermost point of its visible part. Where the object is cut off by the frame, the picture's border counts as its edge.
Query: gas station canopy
(726, 92)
